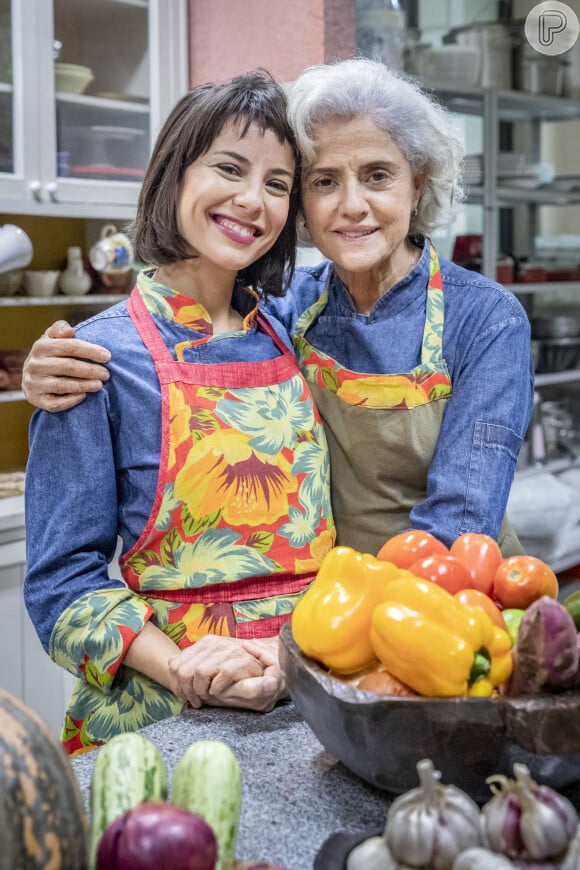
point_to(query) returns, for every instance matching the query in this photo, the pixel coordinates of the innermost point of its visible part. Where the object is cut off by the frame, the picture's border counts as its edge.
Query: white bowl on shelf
(72, 78)
(11, 282)
(41, 283)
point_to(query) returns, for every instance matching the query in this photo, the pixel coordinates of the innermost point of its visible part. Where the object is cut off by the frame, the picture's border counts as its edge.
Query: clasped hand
(229, 672)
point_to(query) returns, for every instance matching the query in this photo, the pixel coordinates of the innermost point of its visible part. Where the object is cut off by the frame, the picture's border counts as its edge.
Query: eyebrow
(235, 156)
(380, 161)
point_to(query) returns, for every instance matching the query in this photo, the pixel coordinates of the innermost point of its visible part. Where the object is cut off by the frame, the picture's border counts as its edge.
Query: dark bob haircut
(195, 122)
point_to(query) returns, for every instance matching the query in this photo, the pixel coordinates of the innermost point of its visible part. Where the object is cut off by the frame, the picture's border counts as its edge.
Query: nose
(249, 197)
(353, 202)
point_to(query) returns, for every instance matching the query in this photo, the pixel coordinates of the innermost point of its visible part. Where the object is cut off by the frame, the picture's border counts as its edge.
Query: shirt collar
(166, 302)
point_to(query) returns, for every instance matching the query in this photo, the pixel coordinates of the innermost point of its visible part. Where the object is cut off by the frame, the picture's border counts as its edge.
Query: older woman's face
(358, 196)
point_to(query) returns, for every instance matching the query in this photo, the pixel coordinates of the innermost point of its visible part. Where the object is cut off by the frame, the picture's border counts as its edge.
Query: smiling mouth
(355, 235)
(244, 230)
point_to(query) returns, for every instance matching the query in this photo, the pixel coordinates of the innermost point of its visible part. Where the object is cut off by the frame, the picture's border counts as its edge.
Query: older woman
(421, 369)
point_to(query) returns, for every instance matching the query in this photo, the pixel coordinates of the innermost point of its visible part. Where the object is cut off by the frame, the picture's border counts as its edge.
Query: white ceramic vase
(74, 280)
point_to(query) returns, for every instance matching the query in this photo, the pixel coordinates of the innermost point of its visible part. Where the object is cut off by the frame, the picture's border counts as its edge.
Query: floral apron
(382, 430)
(240, 521)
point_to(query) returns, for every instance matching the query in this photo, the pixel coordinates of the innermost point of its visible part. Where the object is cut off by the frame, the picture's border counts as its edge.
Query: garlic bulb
(430, 825)
(527, 820)
(371, 854)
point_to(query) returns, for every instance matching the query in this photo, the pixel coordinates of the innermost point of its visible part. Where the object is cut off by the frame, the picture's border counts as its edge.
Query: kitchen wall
(281, 36)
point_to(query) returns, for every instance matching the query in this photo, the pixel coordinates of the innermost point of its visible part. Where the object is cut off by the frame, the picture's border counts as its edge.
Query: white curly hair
(424, 130)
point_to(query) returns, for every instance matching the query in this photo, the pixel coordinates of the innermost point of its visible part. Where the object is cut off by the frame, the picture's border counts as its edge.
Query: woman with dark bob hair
(204, 453)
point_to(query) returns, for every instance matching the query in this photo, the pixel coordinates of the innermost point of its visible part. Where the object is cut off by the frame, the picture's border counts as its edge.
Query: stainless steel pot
(538, 73)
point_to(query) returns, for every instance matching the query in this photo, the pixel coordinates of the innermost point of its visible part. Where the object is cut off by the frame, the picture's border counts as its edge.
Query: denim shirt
(92, 470)
(486, 344)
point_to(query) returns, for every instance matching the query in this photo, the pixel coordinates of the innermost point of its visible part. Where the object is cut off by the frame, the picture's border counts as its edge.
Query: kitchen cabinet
(84, 154)
(25, 669)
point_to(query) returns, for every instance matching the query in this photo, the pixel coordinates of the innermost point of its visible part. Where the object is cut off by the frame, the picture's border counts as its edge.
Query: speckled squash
(42, 820)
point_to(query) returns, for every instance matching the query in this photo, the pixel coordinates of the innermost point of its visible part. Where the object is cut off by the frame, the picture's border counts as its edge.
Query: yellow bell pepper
(331, 622)
(436, 645)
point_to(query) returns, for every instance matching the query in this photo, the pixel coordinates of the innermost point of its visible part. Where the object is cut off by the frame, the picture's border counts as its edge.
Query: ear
(418, 182)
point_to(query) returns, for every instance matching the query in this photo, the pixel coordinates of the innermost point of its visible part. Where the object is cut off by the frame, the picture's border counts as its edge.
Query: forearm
(150, 654)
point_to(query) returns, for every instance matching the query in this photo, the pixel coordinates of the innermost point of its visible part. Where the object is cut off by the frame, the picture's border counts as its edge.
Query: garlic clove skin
(371, 854)
(430, 825)
(548, 827)
(526, 820)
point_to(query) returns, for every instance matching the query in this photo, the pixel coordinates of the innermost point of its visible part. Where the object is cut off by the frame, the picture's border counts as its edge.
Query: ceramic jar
(75, 280)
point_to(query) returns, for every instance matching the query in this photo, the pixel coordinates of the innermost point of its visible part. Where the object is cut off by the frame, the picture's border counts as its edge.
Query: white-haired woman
(421, 369)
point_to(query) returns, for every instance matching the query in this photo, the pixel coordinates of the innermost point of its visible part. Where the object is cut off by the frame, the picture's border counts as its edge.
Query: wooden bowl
(381, 738)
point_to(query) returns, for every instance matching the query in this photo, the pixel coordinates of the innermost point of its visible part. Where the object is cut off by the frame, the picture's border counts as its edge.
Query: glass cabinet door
(102, 89)
(84, 88)
(6, 90)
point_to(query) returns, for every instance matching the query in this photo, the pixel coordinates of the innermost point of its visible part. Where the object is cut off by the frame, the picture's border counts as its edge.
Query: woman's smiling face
(357, 197)
(235, 198)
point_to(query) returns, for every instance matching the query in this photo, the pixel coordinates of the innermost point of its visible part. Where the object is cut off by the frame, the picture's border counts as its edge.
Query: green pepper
(572, 605)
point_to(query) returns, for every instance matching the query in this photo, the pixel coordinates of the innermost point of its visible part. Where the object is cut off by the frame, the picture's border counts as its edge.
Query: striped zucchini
(128, 770)
(207, 780)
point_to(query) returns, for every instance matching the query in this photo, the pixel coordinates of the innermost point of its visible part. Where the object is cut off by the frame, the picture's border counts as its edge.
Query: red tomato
(444, 570)
(482, 556)
(481, 601)
(520, 580)
(406, 547)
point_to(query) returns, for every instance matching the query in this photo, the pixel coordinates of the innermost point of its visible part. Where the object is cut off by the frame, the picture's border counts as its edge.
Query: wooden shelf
(11, 396)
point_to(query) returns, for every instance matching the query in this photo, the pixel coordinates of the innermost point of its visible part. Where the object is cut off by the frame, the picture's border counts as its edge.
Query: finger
(254, 693)
(228, 676)
(60, 329)
(265, 653)
(58, 403)
(73, 347)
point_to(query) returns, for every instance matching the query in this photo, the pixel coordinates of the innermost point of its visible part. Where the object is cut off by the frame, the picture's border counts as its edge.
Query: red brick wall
(227, 37)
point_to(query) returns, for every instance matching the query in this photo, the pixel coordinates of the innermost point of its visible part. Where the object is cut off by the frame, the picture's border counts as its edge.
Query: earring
(305, 225)
(414, 212)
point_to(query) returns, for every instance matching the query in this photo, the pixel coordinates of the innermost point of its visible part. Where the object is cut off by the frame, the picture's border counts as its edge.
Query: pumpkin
(42, 820)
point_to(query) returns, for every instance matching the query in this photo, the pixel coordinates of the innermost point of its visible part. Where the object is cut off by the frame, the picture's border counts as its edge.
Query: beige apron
(382, 430)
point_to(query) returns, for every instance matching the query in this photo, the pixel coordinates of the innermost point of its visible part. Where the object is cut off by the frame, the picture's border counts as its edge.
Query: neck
(366, 288)
(209, 286)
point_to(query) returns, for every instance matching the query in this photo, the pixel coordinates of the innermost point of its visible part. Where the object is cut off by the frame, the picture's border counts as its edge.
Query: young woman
(204, 452)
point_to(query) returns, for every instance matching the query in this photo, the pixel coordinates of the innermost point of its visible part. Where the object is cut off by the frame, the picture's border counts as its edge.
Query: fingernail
(104, 355)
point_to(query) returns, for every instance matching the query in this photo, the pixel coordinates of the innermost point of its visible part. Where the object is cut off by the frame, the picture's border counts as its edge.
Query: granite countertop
(295, 794)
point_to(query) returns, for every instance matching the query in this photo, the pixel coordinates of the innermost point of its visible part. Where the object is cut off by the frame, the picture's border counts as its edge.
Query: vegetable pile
(437, 827)
(423, 619)
(137, 825)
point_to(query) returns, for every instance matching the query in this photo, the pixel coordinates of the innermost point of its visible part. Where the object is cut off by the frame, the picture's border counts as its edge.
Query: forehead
(356, 140)
(252, 140)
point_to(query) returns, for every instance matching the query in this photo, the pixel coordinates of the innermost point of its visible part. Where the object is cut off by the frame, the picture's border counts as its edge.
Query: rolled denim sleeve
(85, 620)
(483, 427)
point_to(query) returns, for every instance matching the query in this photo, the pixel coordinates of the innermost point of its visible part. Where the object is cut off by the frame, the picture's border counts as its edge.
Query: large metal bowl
(382, 738)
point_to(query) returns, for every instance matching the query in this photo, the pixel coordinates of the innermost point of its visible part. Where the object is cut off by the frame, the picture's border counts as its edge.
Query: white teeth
(357, 235)
(243, 231)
